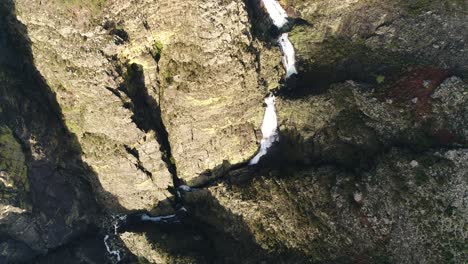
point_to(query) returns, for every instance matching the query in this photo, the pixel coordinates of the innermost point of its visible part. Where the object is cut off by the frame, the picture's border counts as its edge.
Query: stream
(269, 126)
(269, 129)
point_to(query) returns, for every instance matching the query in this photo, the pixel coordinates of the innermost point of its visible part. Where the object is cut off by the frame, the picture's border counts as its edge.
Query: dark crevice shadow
(63, 188)
(88, 246)
(147, 116)
(233, 238)
(262, 27)
(193, 237)
(147, 112)
(210, 233)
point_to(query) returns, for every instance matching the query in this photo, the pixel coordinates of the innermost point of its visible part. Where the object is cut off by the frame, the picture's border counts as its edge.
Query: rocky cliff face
(107, 104)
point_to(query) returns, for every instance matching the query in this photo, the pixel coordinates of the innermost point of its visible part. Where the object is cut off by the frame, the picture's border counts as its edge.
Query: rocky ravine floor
(103, 102)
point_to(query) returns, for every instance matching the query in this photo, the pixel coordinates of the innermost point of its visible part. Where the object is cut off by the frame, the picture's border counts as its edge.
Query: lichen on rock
(108, 107)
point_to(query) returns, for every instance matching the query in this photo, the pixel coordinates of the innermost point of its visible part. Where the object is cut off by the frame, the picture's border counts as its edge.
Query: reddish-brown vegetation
(415, 87)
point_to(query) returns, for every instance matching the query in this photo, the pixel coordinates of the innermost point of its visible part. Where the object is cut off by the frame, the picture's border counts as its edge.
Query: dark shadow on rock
(340, 60)
(147, 111)
(88, 247)
(211, 234)
(63, 204)
(194, 238)
(262, 27)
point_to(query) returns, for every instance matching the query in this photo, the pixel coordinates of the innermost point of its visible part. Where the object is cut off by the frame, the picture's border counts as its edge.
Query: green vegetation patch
(157, 50)
(14, 184)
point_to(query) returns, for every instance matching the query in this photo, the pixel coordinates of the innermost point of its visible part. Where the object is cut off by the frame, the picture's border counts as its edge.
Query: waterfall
(288, 59)
(270, 123)
(269, 129)
(280, 18)
(111, 252)
(160, 219)
(276, 12)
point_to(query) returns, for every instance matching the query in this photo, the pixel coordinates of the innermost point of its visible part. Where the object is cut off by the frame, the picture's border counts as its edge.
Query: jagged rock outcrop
(374, 40)
(69, 55)
(206, 80)
(411, 208)
(46, 199)
(350, 124)
(104, 103)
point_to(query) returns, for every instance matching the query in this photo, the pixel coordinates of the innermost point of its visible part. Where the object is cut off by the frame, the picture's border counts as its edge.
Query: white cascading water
(116, 219)
(157, 219)
(269, 129)
(276, 12)
(289, 61)
(270, 122)
(111, 252)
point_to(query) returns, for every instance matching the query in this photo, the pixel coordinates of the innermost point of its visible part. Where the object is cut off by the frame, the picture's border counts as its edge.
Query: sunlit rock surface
(103, 102)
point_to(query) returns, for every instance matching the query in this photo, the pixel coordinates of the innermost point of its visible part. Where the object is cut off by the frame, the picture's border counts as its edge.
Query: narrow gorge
(237, 131)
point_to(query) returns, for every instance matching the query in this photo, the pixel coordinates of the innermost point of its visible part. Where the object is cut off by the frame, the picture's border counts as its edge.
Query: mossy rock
(417, 7)
(14, 184)
(157, 49)
(322, 60)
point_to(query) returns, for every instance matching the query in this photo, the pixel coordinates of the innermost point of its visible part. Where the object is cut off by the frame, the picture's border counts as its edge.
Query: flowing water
(115, 253)
(289, 60)
(269, 126)
(276, 12)
(270, 122)
(269, 129)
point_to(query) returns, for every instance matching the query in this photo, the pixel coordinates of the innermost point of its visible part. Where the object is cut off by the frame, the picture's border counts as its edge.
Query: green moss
(14, 184)
(416, 7)
(380, 79)
(99, 145)
(157, 49)
(172, 160)
(12, 156)
(73, 127)
(167, 76)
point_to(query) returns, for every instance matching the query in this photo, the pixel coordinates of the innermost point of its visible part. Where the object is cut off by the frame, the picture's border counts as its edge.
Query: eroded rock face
(409, 208)
(350, 124)
(45, 196)
(104, 102)
(208, 90)
(69, 55)
(372, 40)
